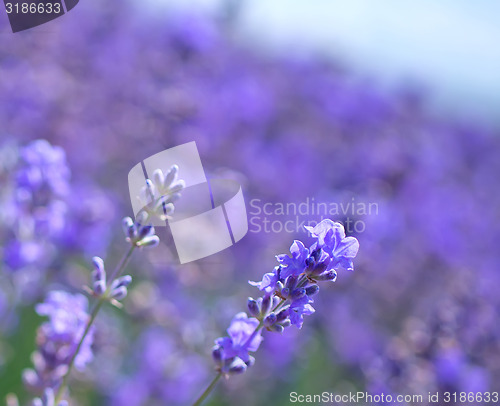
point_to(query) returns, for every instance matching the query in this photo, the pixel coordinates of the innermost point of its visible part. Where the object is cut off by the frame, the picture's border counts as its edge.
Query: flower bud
(285, 292)
(237, 366)
(217, 354)
(158, 177)
(171, 175)
(250, 362)
(286, 323)
(98, 266)
(327, 276)
(253, 307)
(266, 305)
(119, 293)
(270, 320)
(151, 241)
(291, 282)
(180, 185)
(122, 281)
(283, 314)
(312, 290)
(146, 230)
(129, 228)
(277, 328)
(99, 287)
(298, 293)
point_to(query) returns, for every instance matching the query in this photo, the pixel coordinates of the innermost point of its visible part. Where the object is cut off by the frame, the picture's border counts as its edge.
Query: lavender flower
(41, 187)
(231, 353)
(331, 238)
(44, 169)
(288, 293)
(35, 213)
(58, 339)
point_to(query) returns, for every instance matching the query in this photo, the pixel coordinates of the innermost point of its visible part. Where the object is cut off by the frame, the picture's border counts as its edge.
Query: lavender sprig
(288, 294)
(77, 338)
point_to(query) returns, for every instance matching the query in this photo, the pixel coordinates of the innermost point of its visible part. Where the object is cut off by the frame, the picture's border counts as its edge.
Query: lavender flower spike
(58, 339)
(287, 294)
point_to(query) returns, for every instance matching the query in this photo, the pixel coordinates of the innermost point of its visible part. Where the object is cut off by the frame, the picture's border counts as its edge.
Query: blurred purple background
(117, 82)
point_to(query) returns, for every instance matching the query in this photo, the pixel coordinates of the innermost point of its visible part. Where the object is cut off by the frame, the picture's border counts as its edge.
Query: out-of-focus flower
(36, 214)
(41, 187)
(164, 372)
(44, 170)
(58, 339)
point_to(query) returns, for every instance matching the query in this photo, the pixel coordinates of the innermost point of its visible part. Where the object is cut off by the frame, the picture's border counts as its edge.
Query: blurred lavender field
(115, 85)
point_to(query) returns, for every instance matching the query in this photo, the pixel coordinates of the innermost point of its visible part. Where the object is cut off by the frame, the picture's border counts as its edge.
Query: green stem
(279, 305)
(73, 358)
(104, 298)
(121, 265)
(207, 392)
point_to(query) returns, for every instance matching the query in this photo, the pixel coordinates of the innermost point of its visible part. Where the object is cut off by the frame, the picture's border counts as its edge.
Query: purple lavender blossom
(19, 254)
(44, 169)
(41, 187)
(331, 238)
(233, 350)
(37, 212)
(58, 338)
(293, 265)
(89, 221)
(300, 308)
(288, 293)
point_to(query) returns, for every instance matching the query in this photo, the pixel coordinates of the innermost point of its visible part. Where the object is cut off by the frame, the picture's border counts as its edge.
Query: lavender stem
(207, 392)
(116, 273)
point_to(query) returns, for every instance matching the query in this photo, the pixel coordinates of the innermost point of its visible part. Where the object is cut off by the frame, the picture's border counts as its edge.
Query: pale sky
(452, 46)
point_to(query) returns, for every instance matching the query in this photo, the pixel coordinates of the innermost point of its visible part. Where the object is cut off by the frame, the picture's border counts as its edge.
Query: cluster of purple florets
(42, 184)
(36, 210)
(58, 338)
(288, 294)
